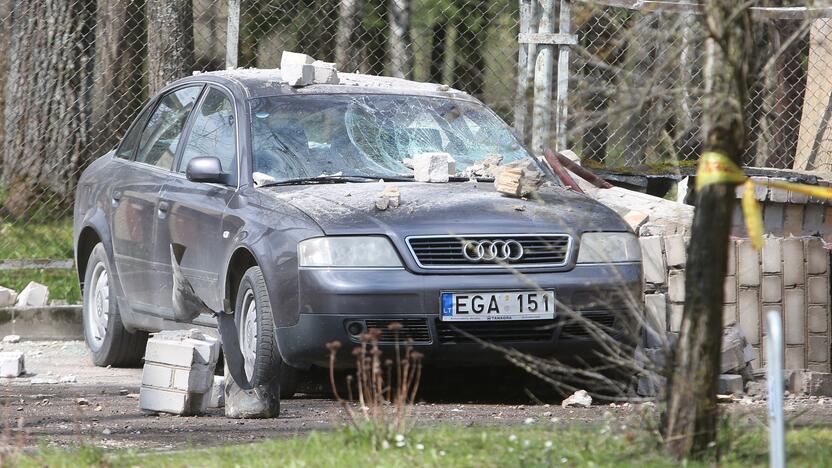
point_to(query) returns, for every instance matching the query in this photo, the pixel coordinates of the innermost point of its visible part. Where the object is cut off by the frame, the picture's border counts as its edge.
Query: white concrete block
(794, 316)
(431, 167)
(818, 349)
(294, 58)
(675, 317)
(172, 401)
(325, 73)
(793, 265)
(748, 308)
(731, 268)
(655, 269)
(818, 289)
(772, 289)
(772, 256)
(676, 286)
(197, 378)
(675, 247)
(730, 290)
(33, 295)
(12, 364)
(818, 319)
(794, 358)
(656, 308)
(817, 257)
(7, 297)
(298, 74)
(216, 395)
(748, 266)
(182, 348)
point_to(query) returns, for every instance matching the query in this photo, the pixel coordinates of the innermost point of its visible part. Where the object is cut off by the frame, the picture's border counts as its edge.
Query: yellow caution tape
(716, 168)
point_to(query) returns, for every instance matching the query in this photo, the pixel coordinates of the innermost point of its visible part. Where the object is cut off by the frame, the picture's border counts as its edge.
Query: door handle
(164, 206)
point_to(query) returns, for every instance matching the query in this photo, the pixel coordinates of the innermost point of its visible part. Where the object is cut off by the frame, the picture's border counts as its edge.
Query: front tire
(255, 322)
(110, 344)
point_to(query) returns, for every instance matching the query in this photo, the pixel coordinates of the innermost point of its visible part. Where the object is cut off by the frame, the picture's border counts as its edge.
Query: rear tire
(110, 344)
(255, 322)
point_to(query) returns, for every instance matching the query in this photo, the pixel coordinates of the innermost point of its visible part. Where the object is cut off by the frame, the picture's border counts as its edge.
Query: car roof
(259, 82)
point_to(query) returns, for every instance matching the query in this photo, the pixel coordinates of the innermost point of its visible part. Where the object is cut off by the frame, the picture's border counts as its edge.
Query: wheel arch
(241, 260)
(87, 240)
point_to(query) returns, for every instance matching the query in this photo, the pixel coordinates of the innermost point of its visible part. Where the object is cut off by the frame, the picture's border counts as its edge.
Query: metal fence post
(563, 77)
(774, 357)
(543, 74)
(232, 39)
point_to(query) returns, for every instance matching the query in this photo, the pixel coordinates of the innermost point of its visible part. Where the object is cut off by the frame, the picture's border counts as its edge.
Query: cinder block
(773, 218)
(33, 295)
(778, 195)
(818, 319)
(675, 247)
(794, 358)
(793, 220)
(7, 297)
(675, 317)
(793, 265)
(798, 198)
(196, 378)
(655, 269)
(731, 269)
(818, 289)
(172, 401)
(656, 308)
(676, 286)
(729, 315)
(813, 219)
(182, 348)
(730, 290)
(772, 256)
(810, 383)
(11, 364)
(730, 384)
(772, 289)
(818, 366)
(795, 317)
(817, 258)
(818, 349)
(748, 265)
(749, 312)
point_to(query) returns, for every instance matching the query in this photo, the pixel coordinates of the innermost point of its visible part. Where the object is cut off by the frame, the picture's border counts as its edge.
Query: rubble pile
(518, 179)
(178, 373)
(433, 167)
(33, 295)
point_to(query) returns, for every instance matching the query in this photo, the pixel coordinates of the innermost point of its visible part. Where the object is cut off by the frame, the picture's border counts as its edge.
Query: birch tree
(170, 41)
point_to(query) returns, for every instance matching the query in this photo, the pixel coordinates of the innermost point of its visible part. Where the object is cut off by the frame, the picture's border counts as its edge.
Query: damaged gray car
(270, 192)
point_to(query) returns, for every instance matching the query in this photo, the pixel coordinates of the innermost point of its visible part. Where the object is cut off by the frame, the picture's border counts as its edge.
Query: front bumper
(334, 299)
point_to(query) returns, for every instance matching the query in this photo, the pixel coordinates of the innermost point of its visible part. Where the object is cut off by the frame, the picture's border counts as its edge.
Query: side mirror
(205, 169)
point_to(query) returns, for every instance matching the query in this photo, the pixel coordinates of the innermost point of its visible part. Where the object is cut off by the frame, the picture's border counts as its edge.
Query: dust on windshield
(372, 135)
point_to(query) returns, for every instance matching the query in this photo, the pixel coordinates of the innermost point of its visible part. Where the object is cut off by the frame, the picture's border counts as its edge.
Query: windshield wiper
(335, 179)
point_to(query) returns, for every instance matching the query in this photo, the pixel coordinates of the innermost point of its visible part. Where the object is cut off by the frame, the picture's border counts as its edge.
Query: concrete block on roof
(772, 255)
(12, 364)
(325, 73)
(817, 257)
(7, 297)
(793, 265)
(748, 264)
(675, 247)
(33, 295)
(655, 269)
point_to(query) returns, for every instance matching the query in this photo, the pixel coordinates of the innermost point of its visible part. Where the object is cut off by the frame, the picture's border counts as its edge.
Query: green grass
(542, 445)
(63, 284)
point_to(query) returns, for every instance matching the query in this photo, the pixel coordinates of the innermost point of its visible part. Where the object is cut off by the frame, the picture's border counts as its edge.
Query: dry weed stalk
(386, 389)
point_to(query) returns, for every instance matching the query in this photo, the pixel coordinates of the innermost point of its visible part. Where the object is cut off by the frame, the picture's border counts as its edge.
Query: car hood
(446, 208)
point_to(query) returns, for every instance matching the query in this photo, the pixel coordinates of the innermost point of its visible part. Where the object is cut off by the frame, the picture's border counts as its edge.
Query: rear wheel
(110, 344)
(263, 364)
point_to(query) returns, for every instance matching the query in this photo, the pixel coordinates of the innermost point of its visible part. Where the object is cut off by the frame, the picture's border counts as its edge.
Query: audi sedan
(270, 192)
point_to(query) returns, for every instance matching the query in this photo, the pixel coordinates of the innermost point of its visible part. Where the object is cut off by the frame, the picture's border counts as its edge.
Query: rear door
(195, 216)
(135, 198)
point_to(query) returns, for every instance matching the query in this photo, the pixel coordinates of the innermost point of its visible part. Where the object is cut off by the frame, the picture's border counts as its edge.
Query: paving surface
(49, 413)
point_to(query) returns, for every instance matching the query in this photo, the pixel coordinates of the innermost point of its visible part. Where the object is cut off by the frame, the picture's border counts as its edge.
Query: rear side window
(213, 133)
(131, 140)
(164, 129)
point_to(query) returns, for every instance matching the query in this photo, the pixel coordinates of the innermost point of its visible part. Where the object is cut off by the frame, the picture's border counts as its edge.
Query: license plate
(509, 305)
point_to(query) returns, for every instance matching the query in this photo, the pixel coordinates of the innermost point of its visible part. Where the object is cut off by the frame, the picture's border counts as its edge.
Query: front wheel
(110, 344)
(263, 364)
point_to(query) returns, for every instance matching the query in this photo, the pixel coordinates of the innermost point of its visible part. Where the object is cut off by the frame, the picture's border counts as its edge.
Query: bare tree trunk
(170, 41)
(46, 109)
(346, 52)
(118, 85)
(690, 418)
(437, 51)
(788, 93)
(401, 57)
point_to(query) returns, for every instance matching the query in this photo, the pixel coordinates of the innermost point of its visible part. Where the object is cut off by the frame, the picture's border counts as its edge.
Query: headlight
(609, 247)
(347, 252)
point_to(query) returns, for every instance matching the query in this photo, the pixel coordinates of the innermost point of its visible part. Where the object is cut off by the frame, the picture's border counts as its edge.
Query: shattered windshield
(296, 137)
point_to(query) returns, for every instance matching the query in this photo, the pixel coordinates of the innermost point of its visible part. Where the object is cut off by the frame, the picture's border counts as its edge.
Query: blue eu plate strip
(447, 305)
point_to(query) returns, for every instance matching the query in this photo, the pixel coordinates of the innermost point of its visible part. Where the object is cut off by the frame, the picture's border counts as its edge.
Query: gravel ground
(48, 413)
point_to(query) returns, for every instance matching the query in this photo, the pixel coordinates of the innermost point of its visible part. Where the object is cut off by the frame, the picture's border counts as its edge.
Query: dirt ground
(49, 413)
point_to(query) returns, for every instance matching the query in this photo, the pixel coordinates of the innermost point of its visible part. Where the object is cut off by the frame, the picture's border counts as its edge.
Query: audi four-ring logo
(489, 251)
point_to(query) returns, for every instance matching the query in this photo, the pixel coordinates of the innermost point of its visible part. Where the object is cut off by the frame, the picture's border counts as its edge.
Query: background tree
(46, 112)
(401, 60)
(345, 44)
(170, 41)
(690, 418)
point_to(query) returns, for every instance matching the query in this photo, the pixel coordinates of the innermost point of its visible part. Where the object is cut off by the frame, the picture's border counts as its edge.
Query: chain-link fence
(75, 72)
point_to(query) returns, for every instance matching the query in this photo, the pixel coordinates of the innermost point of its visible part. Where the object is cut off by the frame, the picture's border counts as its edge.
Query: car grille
(415, 329)
(495, 332)
(572, 328)
(447, 251)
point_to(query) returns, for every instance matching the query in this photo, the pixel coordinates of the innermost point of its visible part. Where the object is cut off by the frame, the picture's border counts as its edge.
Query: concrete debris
(325, 73)
(33, 295)
(262, 179)
(303, 70)
(68, 379)
(11, 339)
(757, 389)
(7, 297)
(178, 372)
(803, 382)
(11, 364)
(579, 399)
(257, 403)
(408, 163)
(216, 396)
(518, 179)
(665, 216)
(388, 198)
(636, 219)
(736, 352)
(45, 380)
(730, 384)
(431, 167)
(487, 168)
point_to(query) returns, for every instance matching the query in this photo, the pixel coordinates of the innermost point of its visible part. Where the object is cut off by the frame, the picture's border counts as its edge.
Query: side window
(131, 140)
(213, 133)
(164, 128)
